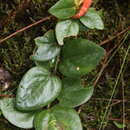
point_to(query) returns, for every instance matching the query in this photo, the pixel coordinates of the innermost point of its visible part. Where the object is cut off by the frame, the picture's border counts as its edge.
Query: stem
(25, 28)
(115, 36)
(5, 95)
(56, 65)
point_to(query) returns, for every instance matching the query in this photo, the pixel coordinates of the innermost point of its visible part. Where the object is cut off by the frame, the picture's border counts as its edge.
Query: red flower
(84, 8)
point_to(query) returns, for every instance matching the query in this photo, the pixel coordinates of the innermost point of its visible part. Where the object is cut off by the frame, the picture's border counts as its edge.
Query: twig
(123, 97)
(56, 65)
(113, 100)
(115, 103)
(25, 28)
(107, 111)
(106, 61)
(113, 37)
(120, 120)
(5, 95)
(100, 73)
(80, 109)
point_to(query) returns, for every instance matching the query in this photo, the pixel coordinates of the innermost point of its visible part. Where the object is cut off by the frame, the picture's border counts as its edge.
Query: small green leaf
(119, 125)
(73, 93)
(47, 47)
(48, 64)
(48, 37)
(80, 56)
(63, 9)
(15, 117)
(66, 28)
(92, 20)
(57, 118)
(37, 89)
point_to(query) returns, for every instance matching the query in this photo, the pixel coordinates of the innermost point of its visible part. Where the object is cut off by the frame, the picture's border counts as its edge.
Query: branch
(25, 28)
(113, 37)
(105, 63)
(6, 95)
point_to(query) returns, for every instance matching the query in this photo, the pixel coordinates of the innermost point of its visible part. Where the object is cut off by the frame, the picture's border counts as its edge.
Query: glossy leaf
(47, 47)
(37, 89)
(58, 118)
(80, 57)
(73, 93)
(15, 117)
(63, 9)
(92, 20)
(66, 28)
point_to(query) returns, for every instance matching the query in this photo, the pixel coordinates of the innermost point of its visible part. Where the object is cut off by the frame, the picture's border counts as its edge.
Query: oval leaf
(74, 94)
(47, 47)
(58, 118)
(15, 117)
(66, 28)
(48, 64)
(80, 57)
(63, 9)
(37, 89)
(92, 20)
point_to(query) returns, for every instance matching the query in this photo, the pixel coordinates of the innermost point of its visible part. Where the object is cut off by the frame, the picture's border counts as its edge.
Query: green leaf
(80, 56)
(48, 37)
(66, 28)
(57, 118)
(119, 125)
(63, 9)
(92, 20)
(47, 47)
(74, 94)
(37, 89)
(15, 117)
(48, 64)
